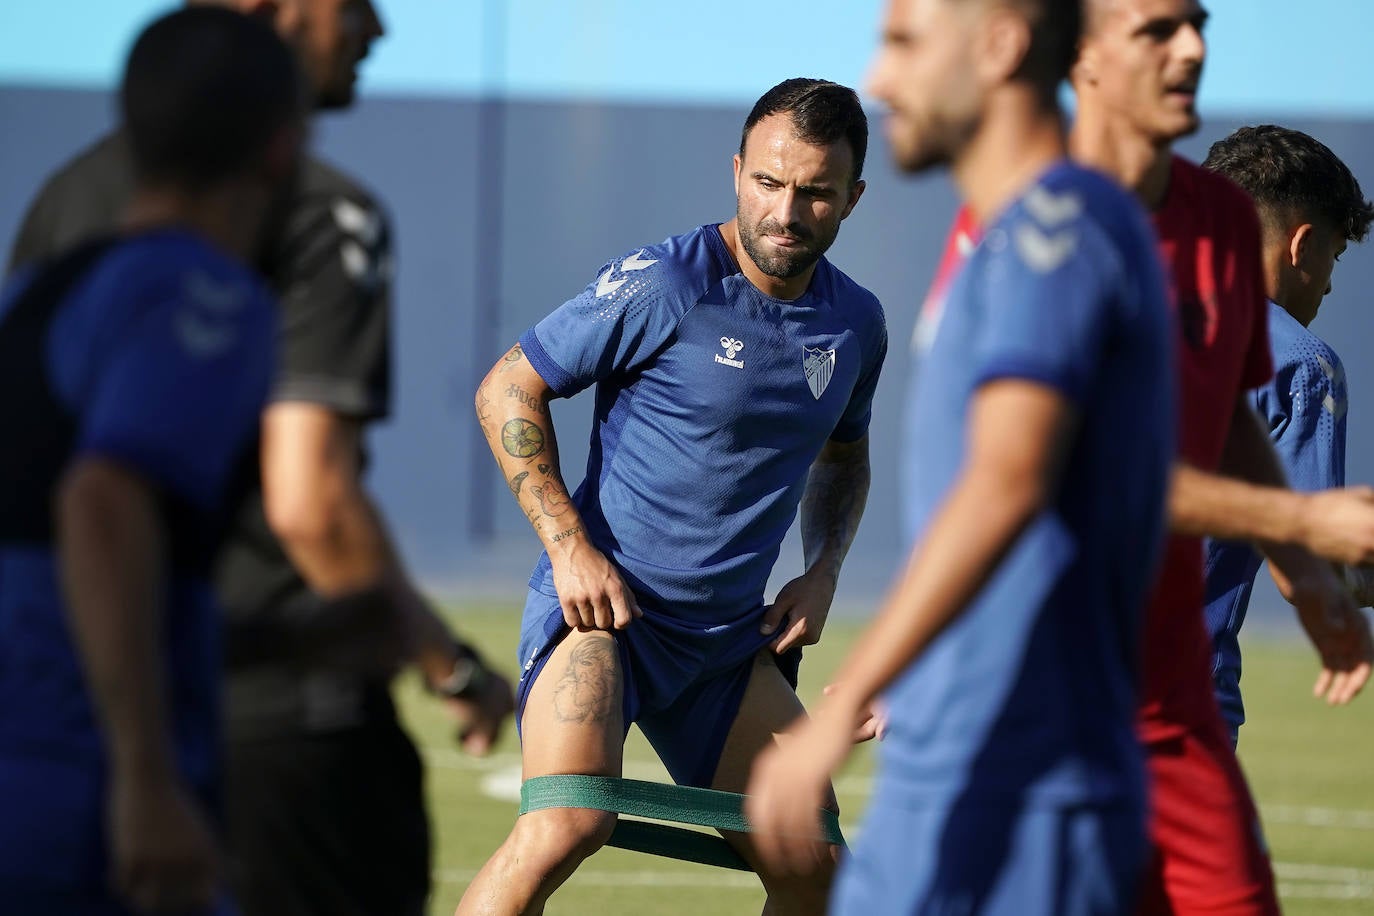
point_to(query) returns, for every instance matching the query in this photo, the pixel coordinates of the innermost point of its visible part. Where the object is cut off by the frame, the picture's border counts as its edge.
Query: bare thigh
(573, 720)
(769, 707)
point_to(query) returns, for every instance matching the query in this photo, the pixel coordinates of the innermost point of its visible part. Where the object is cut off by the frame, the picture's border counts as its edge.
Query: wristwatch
(467, 679)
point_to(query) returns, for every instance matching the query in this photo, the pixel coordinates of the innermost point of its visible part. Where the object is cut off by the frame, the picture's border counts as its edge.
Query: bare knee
(554, 837)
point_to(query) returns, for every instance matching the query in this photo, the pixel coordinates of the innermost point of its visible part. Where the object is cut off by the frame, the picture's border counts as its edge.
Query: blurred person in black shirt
(324, 795)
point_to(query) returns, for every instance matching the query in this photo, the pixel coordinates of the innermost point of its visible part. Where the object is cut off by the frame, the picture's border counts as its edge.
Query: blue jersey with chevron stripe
(1030, 695)
(712, 401)
(1304, 409)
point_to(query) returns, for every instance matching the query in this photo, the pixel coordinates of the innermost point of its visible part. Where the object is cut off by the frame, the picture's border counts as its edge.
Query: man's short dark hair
(204, 91)
(1291, 175)
(1056, 29)
(822, 113)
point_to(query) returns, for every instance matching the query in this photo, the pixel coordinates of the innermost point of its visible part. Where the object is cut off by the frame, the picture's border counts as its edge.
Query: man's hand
(163, 853)
(1339, 524)
(800, 609)
(788, 786)
(872, 721)
(590, 590)
(481, 718)
(1338, 629)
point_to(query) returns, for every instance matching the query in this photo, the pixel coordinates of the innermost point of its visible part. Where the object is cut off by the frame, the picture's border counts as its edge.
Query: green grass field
(1312, 769)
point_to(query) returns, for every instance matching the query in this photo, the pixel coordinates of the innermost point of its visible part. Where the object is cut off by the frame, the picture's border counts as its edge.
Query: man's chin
(1184, 125)
(917, 159)
(334, 98)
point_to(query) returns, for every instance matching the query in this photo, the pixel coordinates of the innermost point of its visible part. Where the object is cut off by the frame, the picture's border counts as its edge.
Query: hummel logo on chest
(731, 346)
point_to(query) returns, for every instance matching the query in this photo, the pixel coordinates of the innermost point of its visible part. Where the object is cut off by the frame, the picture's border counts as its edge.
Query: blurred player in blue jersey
(134, 369)
(1040, 431)
(735, 370)
(1310, 206)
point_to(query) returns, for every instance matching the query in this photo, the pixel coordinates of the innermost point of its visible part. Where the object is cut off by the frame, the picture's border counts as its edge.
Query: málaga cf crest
(819, 365)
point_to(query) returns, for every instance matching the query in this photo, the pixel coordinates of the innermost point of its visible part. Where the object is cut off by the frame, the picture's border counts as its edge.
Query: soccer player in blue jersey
(735, 368)
(1310, 206)
(134, 368)
(1040, 431)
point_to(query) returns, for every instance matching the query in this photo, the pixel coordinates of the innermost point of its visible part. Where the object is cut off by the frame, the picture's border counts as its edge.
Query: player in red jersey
(1136, 79)
(1136, 82)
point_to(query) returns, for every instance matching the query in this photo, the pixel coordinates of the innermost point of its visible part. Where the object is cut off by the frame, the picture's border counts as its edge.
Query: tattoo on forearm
(544, 469)
(553, 499)
(524, 397)
(522, 438)
(483, 405)
(587, 691)
(517, 482)
(567, 534)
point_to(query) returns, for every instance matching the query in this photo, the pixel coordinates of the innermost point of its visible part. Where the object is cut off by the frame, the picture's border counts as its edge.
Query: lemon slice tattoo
(522, 438)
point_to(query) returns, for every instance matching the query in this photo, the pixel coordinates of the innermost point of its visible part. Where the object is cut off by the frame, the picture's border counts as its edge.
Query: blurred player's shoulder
(1209, 199)
(331, 218)
(321, 180)
(171, 272)
(80, 199)
(96, 177)
(1074, 212)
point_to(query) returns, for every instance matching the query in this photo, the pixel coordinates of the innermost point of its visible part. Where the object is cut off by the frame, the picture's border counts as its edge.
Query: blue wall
(580, 183)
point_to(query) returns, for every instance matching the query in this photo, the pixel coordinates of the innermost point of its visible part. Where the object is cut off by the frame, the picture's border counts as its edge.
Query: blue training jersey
(1031, 694)
(712, 401)
(1304, 409)
(158, 357)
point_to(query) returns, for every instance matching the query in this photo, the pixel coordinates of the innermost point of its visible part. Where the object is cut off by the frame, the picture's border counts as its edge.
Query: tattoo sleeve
(513, 409)
(833, 503)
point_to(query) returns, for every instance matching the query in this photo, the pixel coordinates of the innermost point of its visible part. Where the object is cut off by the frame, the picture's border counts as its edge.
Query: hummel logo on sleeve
(1050, 209)
(1334, 402)
(605, 285)
(201, 336)
(1044, 252)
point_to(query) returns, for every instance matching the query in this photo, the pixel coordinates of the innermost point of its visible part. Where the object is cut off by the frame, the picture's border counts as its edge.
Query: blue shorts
(683, 680)
(980, 858)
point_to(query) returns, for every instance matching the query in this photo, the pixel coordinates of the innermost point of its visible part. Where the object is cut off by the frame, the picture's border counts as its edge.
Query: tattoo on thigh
(587, 690)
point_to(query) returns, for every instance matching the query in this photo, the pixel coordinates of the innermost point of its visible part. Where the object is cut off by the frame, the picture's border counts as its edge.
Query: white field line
(1334, 818)
(1323, 882)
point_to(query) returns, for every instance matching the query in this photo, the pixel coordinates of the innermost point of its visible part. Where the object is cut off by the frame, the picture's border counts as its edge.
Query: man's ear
(1299, 241)
(1005, 40)
(1085, 66)
(737, 162)
(282, 15)
(854, 195)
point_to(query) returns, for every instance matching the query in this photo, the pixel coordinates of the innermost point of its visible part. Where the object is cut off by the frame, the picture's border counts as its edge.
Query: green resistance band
(682, 804)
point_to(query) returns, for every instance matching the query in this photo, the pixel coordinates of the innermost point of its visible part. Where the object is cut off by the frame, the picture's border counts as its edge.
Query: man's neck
(786, 289)
(1137, 161)
(1014, 146)
(214, 216)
